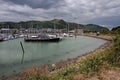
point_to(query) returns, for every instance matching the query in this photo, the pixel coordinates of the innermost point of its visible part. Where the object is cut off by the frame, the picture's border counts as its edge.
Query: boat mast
(54, 25)
(68, 29)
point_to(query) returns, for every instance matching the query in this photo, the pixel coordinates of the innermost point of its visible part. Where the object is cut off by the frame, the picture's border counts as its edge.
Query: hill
(58, 23)
(116, 30)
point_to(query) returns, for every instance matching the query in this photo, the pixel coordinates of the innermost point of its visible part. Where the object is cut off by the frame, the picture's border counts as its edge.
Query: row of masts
(38, 30)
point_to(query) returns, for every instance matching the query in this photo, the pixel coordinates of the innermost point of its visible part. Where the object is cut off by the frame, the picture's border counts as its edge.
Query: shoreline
(64, 63)
(100, 48)
(104, 37)
(53, 68)
(109, 39)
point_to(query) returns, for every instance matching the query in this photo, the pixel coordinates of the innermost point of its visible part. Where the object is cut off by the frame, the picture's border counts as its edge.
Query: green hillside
(58, 23)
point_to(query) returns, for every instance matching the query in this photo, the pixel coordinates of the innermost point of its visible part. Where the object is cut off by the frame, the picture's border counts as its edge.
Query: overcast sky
(102, 12)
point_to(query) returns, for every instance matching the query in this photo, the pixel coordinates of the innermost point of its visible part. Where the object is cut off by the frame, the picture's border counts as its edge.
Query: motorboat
(42, 38)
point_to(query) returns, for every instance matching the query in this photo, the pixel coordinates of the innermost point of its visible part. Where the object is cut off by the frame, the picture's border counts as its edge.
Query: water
(38, 53)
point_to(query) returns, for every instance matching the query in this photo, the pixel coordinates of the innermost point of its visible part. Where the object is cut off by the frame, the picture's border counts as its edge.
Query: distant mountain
(58, 23)
(94, 28)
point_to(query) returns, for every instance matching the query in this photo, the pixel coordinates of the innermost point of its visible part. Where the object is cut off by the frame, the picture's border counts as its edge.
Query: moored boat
(42, 38)
(1, 38)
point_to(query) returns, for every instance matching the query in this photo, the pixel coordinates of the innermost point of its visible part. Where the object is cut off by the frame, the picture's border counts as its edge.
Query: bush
(91, 64)
(113, 57)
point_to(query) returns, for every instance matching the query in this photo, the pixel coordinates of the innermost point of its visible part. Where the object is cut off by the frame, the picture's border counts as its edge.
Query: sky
(102, 12)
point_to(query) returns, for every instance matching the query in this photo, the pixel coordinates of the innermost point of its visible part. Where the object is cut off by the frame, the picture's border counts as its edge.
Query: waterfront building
(8, 31)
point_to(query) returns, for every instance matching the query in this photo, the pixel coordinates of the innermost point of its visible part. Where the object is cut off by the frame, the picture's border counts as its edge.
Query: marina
(59, 40)
(40, 53)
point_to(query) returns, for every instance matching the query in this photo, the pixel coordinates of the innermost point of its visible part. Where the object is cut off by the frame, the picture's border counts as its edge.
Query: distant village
(37, 30)
(9, 34)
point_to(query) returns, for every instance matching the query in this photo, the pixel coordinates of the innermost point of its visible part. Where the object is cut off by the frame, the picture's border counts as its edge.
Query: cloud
(103, 12)
(45, 4)
(110, 21)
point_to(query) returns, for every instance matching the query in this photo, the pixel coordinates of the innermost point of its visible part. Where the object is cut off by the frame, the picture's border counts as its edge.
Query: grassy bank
(93, 66)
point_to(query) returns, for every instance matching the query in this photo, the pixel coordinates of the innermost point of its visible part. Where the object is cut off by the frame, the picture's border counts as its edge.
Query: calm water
(38, 53)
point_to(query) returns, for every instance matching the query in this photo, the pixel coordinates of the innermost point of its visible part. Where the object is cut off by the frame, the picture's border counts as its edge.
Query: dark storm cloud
(110, 21)
(45, 4)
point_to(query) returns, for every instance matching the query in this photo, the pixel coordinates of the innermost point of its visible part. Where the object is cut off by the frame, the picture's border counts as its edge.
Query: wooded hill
(59, 24)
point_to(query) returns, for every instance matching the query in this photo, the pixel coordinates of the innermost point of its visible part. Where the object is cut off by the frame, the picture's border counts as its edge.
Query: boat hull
(1, 40)
(42, 40)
